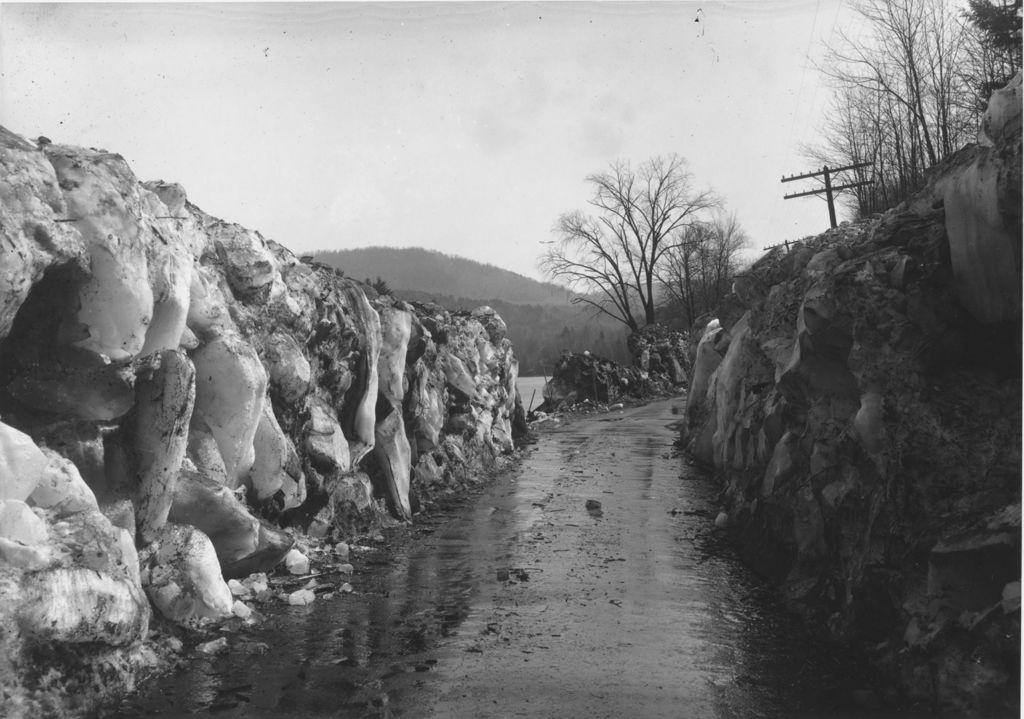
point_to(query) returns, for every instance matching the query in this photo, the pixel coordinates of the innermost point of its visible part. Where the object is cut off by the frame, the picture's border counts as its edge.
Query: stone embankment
(859, 396)
(180, 399)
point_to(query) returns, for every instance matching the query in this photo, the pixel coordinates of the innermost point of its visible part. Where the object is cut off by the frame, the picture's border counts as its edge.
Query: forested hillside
(542, 323)
(414, 268)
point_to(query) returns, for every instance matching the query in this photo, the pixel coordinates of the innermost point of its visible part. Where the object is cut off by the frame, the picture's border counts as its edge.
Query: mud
(521, 601)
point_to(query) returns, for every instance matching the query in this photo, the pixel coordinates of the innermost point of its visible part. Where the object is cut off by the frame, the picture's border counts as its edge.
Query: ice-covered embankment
(860, 399)
(174, 391)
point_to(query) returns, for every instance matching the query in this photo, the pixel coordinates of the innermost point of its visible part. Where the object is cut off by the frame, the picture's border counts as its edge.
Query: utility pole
(828, 189)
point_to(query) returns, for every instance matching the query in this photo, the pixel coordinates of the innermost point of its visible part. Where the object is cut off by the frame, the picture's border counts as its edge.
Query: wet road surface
(524, 602)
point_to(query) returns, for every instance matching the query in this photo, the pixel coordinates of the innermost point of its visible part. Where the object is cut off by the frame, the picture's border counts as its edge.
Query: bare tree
(611, 259)
(699, 269)
(901, 98)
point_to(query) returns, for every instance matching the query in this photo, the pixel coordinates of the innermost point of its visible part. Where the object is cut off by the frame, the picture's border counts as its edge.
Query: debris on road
(296, 562)
(301, 597)
(217, 646)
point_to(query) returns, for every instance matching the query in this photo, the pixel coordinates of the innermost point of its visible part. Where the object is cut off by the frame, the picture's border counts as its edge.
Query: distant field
(526, 386)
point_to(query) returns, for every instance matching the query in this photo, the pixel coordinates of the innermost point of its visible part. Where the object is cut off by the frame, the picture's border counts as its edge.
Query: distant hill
(420, 270)
(541, 320)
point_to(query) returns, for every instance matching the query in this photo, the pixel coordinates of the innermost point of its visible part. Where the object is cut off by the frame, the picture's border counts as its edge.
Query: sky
(466, 128)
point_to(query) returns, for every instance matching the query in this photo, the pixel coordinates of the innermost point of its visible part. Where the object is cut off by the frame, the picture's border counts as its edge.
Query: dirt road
(527, 603)
(635, 609)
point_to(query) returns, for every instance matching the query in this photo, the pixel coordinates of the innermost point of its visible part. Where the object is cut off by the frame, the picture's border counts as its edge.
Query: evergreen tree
(999, 26)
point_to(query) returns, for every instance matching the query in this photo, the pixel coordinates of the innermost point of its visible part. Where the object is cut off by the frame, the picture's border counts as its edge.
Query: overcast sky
(462, 127)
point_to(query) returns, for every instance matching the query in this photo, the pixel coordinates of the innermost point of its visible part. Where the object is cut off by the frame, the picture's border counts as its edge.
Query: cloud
(360, 213)
(495, 132)
(609, 122)
(602, 138)
(508, 115)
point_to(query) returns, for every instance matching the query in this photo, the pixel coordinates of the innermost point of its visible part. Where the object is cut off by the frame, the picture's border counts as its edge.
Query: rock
(241, 610)
(1011, 597)
(396, 328)
(971, 571)
(248, 262)
(660, 351)
(325, 442)
(83, 444)
(428, 473)
(492, 322)
(62, 488)
(457, 376)
(218, 512)
(157, 432)
(293, 486)
(721, 520)
(237, 588)
(271, 449)
(170, 276)
(583, 378)
(869, 423)
(18, 523)
(349, 495)
(31, 242)
(75, 383)
(742, 368)
(1003, 114)
(704, 366)
(821, 263)
(781, 466)
(593, 504)
(296, 562)
(501, 434)
(213, 647)
(28, 557)
(89, 592)
(393, 457)
(183, 577)
(289, 370)
(427, 405)
(203, 452)
(82, 606)
(120, 513)
(301, 597)
(230, 388)
(22, 464)
(172, 194)
(982, 248)
(359, 416)
(208, 315)
(116, 301)
(257, 583)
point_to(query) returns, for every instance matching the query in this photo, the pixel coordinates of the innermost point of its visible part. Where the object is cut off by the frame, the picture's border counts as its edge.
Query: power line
(829, 189)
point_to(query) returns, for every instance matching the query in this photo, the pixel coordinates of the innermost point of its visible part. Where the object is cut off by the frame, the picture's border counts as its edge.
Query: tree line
(909, 88)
